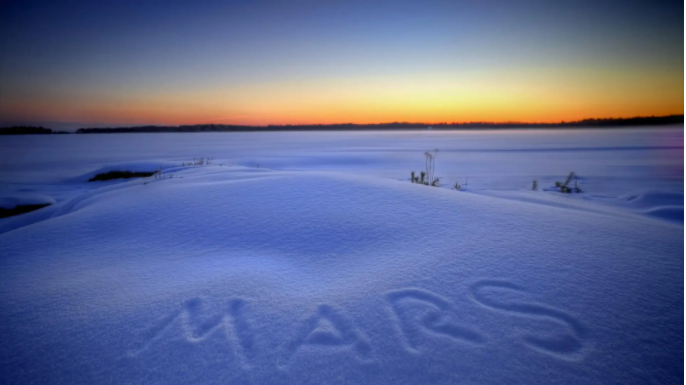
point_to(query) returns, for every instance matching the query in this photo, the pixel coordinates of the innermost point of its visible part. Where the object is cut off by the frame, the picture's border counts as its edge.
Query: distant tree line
(611, 122)
(586, 123)
(27, 130)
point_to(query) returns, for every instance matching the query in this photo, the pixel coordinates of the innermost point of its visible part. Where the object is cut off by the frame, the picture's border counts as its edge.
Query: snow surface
(325, 265)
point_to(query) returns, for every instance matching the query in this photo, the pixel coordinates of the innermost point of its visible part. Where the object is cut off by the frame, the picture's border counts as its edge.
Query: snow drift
(246, 275)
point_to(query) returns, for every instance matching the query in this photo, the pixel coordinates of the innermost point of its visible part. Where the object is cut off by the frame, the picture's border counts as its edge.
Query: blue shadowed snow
(304, 272)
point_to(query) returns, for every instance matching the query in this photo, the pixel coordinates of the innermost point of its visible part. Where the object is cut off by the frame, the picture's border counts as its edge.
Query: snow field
(324, 265)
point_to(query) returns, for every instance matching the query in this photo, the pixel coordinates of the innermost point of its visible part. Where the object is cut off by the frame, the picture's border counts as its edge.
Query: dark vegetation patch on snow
(427, 177)
(120, 175)
(16, 210)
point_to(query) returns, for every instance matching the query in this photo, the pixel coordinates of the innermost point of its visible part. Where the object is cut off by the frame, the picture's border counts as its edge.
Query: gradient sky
(289, 62)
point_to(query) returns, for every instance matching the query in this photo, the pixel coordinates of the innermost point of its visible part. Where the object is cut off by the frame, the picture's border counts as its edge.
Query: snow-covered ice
(311, 258)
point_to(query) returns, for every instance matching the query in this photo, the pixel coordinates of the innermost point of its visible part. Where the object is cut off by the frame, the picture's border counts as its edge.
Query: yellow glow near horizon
(535, 95)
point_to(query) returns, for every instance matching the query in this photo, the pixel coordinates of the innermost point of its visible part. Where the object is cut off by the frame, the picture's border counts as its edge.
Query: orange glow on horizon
(544, 96)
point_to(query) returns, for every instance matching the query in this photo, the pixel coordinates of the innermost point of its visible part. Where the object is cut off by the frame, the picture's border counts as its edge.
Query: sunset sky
(86, 63)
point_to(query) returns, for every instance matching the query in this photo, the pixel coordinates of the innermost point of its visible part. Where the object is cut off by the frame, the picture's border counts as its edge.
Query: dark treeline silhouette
(589, 123)
(27, 130)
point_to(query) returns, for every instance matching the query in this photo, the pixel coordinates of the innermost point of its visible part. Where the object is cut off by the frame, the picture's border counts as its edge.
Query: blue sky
(142, 62)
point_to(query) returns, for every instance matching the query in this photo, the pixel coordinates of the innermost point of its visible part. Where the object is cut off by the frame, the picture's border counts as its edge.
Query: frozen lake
(310, 258)
(610, 162)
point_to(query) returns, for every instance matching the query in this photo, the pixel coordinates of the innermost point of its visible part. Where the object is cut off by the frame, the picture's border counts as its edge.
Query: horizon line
(667, 119)
(477, 122)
